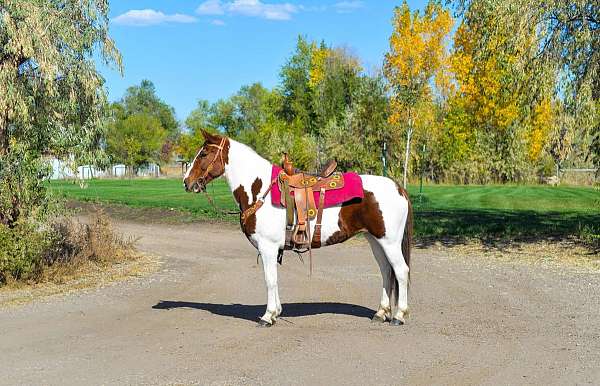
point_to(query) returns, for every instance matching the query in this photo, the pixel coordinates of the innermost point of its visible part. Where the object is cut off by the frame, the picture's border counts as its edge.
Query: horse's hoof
(263, 324)
(397, 322)
(378, 319)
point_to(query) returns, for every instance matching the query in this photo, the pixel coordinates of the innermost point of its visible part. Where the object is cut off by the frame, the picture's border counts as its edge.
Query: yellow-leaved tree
(415, 64)
(498, 134)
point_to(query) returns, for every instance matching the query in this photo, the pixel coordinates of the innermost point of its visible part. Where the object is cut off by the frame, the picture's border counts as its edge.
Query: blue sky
(208, 49)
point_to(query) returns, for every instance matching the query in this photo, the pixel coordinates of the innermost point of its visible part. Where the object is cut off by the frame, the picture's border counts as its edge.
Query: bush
(33, 253)
(590, 235)
(24, 248)
(22, 187)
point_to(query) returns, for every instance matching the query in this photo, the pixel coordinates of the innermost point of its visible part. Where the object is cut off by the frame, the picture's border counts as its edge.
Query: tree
(363, 125)
(556, 45)
(201, 117)
(140, 105)
(136, 140)
(333, 82)
(491, 117)
(297, 107)
(417, 54)
(324, 93)
(52, 99)
(241, 116)
(142, 99)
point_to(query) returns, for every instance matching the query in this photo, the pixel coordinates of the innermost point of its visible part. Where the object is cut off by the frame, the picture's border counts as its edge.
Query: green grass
(505, 211)
(459, 212)
(165, 194)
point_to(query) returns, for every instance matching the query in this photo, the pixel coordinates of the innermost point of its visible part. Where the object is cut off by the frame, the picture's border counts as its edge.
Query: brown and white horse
(385, 215)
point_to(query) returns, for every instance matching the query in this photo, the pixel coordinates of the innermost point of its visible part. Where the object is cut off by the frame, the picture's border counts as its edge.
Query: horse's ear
(211, 138)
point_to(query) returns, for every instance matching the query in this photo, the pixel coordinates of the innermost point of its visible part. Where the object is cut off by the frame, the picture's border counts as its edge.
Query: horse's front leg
(268, 253)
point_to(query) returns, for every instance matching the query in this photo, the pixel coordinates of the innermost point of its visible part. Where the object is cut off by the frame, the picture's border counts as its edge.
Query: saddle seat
(297, 196)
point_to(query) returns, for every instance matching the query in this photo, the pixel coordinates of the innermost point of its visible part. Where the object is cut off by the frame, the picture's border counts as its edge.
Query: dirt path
(473, 321)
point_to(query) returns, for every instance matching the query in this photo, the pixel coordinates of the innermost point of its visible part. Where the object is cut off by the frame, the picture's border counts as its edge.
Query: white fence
(64, 170)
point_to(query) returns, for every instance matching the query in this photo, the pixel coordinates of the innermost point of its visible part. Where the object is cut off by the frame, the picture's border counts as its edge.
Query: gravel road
(474, 320)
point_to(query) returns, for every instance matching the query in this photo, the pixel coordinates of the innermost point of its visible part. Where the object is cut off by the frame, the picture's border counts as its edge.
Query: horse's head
(208, 164)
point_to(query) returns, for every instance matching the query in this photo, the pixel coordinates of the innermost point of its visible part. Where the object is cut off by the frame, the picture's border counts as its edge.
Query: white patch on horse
(191, 166)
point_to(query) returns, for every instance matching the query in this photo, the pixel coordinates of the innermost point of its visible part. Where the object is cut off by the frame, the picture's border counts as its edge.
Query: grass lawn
(505, 211)
(150, 193)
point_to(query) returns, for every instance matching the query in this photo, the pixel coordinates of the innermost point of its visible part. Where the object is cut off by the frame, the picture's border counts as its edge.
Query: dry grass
(82, 244)
(88, 275)
(569, 254)
(82, 255)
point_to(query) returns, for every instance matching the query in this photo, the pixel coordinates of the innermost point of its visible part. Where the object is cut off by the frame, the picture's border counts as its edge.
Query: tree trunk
(407, 155)
(3, 135)
(409, 133)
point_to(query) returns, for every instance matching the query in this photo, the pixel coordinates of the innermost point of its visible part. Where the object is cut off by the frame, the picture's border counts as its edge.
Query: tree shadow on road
(254, 311)
(498, 228)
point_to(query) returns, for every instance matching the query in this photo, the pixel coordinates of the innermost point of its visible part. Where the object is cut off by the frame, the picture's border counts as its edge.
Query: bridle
(218, 154)
(200, 182)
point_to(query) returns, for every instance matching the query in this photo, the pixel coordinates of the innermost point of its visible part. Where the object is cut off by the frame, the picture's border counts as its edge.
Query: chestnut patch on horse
(215, 139)
(357, 215)
(242, 199)
(256, 185)
(209, 162)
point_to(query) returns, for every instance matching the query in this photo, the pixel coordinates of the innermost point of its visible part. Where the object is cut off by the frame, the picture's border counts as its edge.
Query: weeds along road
(474, 320)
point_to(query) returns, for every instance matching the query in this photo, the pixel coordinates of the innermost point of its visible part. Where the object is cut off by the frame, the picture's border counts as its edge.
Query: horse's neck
(245, 166)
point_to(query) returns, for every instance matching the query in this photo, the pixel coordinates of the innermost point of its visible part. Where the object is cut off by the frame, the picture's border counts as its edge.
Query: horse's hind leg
(393, 251)
(384, 312)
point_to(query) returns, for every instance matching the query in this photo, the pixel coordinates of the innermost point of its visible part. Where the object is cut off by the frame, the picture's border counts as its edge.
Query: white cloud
(218, 22)
(210, 7)
(253, 8)
(348, 6)
(313, 8)
(146, 17)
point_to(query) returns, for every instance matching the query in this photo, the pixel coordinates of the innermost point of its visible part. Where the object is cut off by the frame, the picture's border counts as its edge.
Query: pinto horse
(384, 215)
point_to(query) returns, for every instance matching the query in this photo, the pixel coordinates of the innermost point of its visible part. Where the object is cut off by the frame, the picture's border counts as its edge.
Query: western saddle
(297, 196)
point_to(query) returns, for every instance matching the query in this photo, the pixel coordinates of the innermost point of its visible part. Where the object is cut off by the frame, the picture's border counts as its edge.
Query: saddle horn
(288, 166)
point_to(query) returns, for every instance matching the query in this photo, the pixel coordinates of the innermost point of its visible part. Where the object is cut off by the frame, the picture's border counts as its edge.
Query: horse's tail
(394, 287)
(408, 231)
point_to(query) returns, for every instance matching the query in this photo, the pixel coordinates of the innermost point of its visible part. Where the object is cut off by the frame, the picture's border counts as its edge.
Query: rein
(215, 207)
(245, 214)
(218, 154)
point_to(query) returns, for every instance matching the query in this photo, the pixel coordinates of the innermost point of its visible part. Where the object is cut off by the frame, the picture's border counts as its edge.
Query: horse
(384, 215)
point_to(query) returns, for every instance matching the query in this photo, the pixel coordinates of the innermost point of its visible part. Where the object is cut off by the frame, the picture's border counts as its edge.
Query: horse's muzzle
(196, 187)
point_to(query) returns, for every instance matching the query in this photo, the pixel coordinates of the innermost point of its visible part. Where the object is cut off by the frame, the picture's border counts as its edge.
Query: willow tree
(52, 100)
(556, 46)
(418, 53)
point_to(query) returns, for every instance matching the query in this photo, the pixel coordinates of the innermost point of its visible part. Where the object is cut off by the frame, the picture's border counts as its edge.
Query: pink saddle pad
(352, 189)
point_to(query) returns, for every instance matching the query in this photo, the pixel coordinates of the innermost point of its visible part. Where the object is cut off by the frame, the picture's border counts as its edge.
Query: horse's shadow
(254, 311)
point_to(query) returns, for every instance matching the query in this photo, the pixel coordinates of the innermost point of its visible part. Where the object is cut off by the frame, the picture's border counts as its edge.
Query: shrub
(590, 235)
(24, 248)
(33, 253)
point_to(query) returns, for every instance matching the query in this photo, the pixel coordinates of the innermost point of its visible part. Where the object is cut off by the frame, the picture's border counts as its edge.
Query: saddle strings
(308, 228)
